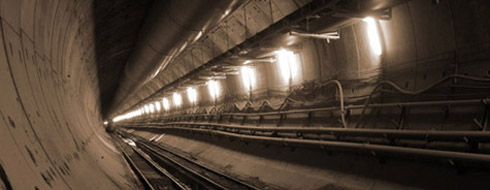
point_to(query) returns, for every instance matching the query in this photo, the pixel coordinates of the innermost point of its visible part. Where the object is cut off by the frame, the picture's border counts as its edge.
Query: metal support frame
(401, 118)
(483, 123)
(279, 27)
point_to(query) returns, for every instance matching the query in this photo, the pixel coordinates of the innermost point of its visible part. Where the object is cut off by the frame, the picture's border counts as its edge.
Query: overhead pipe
(327, 36)
(171, 26)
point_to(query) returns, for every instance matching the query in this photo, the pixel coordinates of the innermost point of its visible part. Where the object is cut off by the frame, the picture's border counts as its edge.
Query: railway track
(151, 175)
(151, 161)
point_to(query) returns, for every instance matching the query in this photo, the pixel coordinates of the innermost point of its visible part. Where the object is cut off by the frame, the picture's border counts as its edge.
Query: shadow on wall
(49, 105)
(4, 180)
(117, 25)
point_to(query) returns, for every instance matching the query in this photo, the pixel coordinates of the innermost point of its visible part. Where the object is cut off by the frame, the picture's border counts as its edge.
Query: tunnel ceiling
(249, 33)
(117, 26)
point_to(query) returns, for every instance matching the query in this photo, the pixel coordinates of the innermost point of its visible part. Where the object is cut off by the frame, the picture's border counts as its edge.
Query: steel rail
(157, 169)
(164, 172)
(139, 173)
(206, 167)
(373, 148)
(192, 171)
(248, 186)
(195, 173)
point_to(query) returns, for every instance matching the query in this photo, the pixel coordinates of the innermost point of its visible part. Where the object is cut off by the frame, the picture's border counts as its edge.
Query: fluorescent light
(248, 77)
(166, 104)
(177, 99)
(214, 88)
(288, 64)
(373, 35)
(192, 94)
(116, 119)
(152, 108)
(157, 106)
(198, 36)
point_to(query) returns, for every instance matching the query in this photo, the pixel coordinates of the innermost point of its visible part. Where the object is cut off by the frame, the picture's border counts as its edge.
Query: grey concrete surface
(297, 168)
(55, 66)
(51, 133)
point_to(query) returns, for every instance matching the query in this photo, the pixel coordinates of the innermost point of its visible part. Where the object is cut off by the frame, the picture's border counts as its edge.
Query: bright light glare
(106, 122)
(198, 36)
(288, 64)
(373, 35)
(214, 88)
(152, 108)
(129, 142)
(248, 77)
(157, 106)
(147, 109)
(166, 105)
(192, 94)
(177, 99)
(128, 115)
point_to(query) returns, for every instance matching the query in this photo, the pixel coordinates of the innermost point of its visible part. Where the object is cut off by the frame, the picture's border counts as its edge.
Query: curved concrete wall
(422, 43)
(241, 24)
(51, 133)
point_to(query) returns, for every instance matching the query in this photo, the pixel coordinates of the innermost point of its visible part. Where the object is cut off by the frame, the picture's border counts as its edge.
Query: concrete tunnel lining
(51, 134)
(61, 63)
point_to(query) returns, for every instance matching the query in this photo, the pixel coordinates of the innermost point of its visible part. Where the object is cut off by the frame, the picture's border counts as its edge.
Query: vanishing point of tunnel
(244, 94)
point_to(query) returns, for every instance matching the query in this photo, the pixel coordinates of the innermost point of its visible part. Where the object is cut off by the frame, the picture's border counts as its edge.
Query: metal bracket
(401, 118)
(483, 123)
(220, 117)
(308, 120)
(384, 14)
(282, 117)
(243, 120)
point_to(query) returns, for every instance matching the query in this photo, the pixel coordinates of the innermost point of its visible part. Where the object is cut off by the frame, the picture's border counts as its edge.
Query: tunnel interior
(281, 94)
(116, 29)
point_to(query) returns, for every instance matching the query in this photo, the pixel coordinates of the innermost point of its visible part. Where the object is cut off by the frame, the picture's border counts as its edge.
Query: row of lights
(157, 106)
(286, 62)
(288, 66)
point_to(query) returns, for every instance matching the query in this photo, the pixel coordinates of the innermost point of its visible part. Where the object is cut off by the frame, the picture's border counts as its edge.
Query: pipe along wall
(51, 133)
(422, 43)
